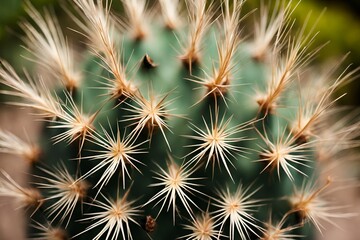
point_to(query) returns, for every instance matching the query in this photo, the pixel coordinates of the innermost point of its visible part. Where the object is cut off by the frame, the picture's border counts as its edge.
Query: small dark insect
(150, 224)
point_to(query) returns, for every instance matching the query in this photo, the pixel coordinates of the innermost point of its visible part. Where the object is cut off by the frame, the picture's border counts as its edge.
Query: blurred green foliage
(342, 30)
(9, 10)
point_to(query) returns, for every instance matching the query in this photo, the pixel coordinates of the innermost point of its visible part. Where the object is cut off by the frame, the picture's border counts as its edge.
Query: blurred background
(340, 24)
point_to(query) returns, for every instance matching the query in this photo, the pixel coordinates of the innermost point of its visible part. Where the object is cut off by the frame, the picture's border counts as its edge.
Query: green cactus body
(163, 143)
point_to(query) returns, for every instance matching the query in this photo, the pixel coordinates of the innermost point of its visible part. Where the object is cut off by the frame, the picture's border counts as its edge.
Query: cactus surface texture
(179, 120)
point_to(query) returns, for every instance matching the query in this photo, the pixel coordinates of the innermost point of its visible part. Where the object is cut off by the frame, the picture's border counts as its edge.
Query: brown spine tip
(72, 89)
(258, 57)
(34, 198)
(81, 188)
(149, 224)
(139, 36)
(147, 63)
(301, 139)
(170, 26)
(300, 216)
(190, 62)
(34, 155)
(58, 234)
(265, 107)
(218, 90)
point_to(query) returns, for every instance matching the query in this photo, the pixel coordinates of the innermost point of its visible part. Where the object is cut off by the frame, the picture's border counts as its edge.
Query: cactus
(177, 126)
